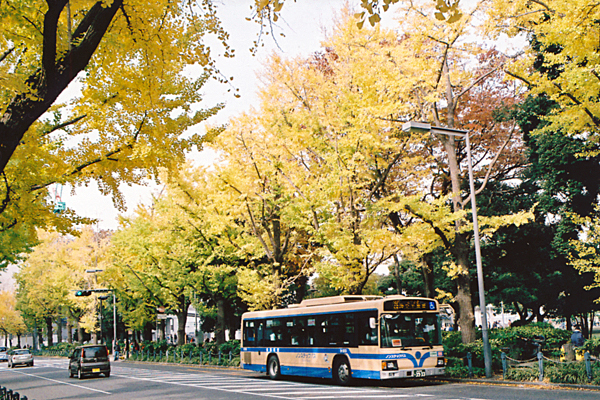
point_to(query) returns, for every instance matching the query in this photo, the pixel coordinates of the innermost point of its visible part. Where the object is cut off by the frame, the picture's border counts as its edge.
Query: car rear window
(25, 351)
(94, 352)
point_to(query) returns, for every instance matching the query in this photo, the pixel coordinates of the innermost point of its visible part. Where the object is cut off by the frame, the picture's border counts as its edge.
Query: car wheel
(342, 374)
(10, 365)
(274, 368)
(107, 374)
(79, 374)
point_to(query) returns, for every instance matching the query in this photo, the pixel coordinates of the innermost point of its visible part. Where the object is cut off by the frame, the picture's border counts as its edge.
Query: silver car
(20, 357)
(3, 355)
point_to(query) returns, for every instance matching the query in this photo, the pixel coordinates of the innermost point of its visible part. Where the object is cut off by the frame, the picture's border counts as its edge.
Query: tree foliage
(560, 60)
(136, 72)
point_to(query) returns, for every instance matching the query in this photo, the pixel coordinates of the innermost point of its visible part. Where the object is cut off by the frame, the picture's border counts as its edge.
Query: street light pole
(425, 127)
(93, 271)
(487, 351)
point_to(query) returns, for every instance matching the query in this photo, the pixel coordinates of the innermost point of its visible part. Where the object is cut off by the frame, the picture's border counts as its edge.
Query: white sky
(304, 23)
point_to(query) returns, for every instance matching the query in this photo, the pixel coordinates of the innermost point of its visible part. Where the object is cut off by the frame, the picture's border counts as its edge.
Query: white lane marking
(358, 396)
(332, 391)
(61, 382)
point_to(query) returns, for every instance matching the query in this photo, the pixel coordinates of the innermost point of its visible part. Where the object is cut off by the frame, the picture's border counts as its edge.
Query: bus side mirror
(372, 323)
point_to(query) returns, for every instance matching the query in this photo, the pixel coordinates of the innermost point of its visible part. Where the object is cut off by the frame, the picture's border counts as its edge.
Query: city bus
(346, 337)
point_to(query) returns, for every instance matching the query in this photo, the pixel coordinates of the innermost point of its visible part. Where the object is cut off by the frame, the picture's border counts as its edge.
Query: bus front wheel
(273, 367)
(342, 374)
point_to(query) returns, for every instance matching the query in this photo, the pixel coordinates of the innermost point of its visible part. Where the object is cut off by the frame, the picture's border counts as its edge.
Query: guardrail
(541, 368)
(541, 360)
(7, 394)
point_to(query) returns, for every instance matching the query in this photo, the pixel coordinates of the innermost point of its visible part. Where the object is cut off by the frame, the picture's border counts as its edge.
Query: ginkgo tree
(138, 71)
(369, 190)
(11, 321)
(49, 277)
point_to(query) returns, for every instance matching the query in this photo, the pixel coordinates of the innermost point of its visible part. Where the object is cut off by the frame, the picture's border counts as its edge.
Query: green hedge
(189, 353)
(516, 342)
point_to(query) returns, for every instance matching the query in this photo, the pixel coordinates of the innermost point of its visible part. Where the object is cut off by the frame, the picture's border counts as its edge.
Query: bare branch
(6, 54)
(491, 166)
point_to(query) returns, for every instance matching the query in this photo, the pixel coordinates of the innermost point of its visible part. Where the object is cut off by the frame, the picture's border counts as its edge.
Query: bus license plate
(419, 373)
(95, 370)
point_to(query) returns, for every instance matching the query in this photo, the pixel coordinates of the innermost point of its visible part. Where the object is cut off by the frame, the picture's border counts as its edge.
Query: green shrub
(518, 341)
(232, 345)
(593, 346)
(523, 374)
(566, 373)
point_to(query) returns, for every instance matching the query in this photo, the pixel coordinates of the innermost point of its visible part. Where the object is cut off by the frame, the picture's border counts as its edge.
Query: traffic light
(80, 293)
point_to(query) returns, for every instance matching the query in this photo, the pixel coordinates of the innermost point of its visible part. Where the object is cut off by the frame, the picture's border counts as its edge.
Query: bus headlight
(389, 365)
(441, 362)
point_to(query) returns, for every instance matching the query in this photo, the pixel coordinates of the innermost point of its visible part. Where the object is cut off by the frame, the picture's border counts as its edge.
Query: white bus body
(345, 337)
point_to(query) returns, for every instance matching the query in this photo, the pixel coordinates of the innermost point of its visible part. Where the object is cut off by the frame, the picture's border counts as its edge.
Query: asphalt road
(49, 379)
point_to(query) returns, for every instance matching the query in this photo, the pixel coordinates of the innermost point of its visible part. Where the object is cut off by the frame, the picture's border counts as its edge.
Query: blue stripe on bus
(417, 360)
(315, 372)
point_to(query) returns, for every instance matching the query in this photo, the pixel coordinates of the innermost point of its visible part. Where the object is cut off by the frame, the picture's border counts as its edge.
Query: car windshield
(406, 330)
(94, 352)
(24, 351)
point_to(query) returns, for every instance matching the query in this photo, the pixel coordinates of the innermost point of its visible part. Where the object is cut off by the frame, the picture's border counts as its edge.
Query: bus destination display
(409, 305)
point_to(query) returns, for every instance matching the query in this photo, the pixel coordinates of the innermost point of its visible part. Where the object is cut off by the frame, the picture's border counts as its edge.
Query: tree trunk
(466, 321)
(301, 288)
(397, 277)
(428, 277)
(40, 338)
(79, 333)
(220, 322)
(59, 326)
(184, 304)
(69, 331)
(49, 331)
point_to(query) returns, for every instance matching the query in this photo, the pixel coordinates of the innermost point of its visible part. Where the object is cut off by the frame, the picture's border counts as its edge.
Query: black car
(90, 359)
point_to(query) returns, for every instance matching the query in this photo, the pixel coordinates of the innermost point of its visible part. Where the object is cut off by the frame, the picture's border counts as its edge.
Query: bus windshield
(407, 330)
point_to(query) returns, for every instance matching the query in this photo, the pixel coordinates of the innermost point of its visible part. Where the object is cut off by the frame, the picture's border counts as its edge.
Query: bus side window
(336, 333)
(311, 330)
(322, 332)
(260, 333)
(349, 330)
(367, 335)
(298, 331)
(249, 334)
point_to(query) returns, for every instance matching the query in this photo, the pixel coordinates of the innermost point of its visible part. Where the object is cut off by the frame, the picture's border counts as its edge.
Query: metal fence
(541, 360)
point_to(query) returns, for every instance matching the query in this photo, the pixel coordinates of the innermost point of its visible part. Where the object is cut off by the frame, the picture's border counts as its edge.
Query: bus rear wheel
(273, 367)
(342, 374)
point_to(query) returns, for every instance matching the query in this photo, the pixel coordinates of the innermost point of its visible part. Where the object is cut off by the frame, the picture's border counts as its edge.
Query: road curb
(501, 382)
